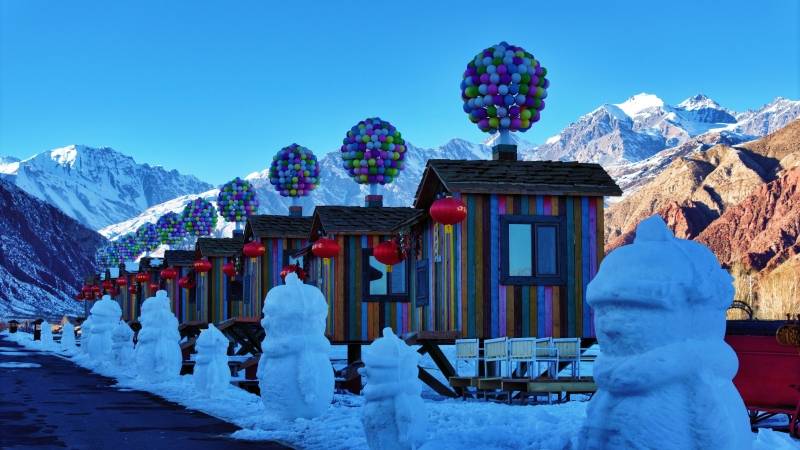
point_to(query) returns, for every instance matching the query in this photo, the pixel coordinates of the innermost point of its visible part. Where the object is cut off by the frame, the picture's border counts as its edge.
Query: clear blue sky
(216, 88)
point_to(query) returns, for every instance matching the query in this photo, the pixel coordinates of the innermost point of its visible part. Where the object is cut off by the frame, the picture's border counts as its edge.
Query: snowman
(46, 341)
(158, 351)
(211, 372)
(104, 317)
(68, 338)
(664, 373)
(295, 373)
(393, 415)
(122, 345)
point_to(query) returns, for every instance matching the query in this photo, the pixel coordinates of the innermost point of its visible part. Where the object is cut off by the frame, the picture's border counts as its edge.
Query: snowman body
(122, 345)
(104, 317)
(211, 372)
(158, 350)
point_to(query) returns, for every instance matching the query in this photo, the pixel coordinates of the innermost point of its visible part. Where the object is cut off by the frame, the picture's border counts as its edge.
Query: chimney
(373, 201)
(238, 233)
(504, 152)
(295, 211)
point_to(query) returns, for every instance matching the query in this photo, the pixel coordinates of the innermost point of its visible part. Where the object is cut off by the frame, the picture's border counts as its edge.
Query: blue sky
(216, 88)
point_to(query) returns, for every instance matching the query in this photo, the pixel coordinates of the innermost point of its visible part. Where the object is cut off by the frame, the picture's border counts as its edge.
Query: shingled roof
(514, 177)
(362, 220)
(219, 246)
(182, 258)
(268, 226)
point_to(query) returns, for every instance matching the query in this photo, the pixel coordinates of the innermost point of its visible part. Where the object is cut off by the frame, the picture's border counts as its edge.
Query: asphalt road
(60, 405)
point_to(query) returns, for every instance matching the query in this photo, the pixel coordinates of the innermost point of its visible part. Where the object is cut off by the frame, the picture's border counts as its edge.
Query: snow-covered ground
(452, 424)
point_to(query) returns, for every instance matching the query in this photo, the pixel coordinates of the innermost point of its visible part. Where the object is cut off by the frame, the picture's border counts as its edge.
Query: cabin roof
(182, 258)
(146, 262)
(514, 177)
(219, 246)
(362, 220)
(269, 226)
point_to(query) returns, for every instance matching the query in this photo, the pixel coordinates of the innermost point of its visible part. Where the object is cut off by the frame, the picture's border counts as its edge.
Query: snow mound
(158, 351)
(104, 317)
(664, 368)
(122, 346)
(393, 413)
(211, 372)
(295, 374)
(46, 341)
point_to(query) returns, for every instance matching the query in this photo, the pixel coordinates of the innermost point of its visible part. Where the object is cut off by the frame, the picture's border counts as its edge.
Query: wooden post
(354, 357)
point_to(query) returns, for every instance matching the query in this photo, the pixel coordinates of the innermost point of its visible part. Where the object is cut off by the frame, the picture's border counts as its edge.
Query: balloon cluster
(148, 238)
(373, 152)
(170, 228)
(504, 88)
(294, 171)
(128, 247)
(199, 217)
(106, 257)
(237, 200)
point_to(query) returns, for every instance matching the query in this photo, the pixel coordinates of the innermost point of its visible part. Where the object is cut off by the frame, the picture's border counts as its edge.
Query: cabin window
(378, 284)
(532, 250)
(422, 283)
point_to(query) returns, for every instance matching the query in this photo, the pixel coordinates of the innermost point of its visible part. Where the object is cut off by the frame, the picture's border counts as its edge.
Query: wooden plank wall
(464, 289)
(268, 270)
(218, 290)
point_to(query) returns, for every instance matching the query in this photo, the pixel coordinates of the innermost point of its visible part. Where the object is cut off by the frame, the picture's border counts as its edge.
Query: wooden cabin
(152, 267)
(284, 238)
(218, 297)
(363, 297)
(183, 299)
(519, 264)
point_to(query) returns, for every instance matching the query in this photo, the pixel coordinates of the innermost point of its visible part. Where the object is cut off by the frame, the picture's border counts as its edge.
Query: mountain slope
(44, 255)
(97, 186)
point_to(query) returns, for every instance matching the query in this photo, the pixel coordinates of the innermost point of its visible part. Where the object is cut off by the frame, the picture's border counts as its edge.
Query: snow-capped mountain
(771, 117)
(44, 255)
(97, 186)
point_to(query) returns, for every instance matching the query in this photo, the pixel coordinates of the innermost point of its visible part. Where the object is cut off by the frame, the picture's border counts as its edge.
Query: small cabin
(152, 267)
(183, 298)
(520, 262)
(284, 238)
(130, 294)
(363, 295)
(218, 297)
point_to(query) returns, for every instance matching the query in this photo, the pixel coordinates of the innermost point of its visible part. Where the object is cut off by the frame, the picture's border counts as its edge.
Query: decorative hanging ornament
(229, 269)
(153, 287)
(202, 265)
(142, 277)
(170, 229)
(122, 281)
(253, 249)
(325, 248)
(294, 171)
(448, 211)
(132, 289)
(186, 282)
(199, 217)
(169, 273)
(237, 200)
(503, 89)
(373, 152)
(108, 285)
(147, 237)
(388, 252)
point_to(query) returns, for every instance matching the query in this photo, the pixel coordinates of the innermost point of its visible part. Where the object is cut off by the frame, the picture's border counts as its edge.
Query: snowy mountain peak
(699, 101)
(640, 103)
(65, 156)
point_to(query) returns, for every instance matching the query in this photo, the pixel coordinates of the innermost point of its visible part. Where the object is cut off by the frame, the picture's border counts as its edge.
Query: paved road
(61, 405)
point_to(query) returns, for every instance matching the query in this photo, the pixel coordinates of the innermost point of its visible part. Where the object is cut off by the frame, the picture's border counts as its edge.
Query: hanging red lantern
(96, 290)
(169, 273)
(229, 269)
(325, 248)
(448, 211)
(293, 268)
(142, 277)
(86, 289)
(132, 289)
(114, 292)
(153, 287)
(89, 296)
(202, 265)
(186, 282)
(108, 285)
(387, 252)
(253, 249)
(122, 281)
(80, 296)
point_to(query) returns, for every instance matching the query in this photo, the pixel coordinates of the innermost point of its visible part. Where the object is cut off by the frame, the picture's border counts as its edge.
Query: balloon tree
(148, 238)
(237, 200)
(503, 89)
(106, 257)
(170, 229)
(294, 171)
(199, 217)
(373, 152)
(128, 247)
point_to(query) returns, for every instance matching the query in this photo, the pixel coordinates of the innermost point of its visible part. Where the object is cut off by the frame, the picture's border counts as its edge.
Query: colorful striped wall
(264, 273)
(349, 318)
(464, 289)
(221, 307)
(202, 296)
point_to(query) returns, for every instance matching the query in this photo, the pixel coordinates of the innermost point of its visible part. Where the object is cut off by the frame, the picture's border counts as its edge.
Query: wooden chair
(565, 350)
(522, 350)
(495, 350)
(468, 350)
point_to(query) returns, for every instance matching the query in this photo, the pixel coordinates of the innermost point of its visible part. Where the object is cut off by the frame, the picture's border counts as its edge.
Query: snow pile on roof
(158, 351)
(659, 308)
(393, 410)
(294, 372)
(211, 371)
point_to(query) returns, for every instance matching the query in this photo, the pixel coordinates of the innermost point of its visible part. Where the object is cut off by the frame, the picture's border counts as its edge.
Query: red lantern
(254, 249)
(153, 287)
(202, 265)
(132, 289)
(86, 289)
(387, 252)
(96, 290)
(229, 269)
(293, 268)
(325, 248)
(108, 285)
(142, 277)
(80, 296)
(448, 211)
(186, 282)
(90, 295)
(169, 273)
(122, 281)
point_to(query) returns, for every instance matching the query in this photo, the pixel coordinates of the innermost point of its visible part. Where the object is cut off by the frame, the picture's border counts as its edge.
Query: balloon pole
(373, 189)
(505, 137)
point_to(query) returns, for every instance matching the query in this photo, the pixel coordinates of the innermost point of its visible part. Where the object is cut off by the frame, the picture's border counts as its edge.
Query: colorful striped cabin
(152, 266)
(127, 301)
(283, 238)
(362, 296)
(520, 263)
(183, 300)
(218, 297)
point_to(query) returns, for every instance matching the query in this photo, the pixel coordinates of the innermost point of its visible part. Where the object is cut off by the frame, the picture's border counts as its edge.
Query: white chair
(522, 350)
(468, 350)
(495, 350)
(546, 353)
(565, 350)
